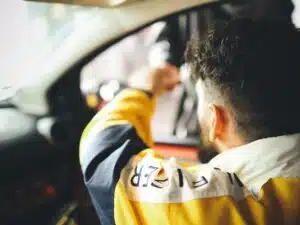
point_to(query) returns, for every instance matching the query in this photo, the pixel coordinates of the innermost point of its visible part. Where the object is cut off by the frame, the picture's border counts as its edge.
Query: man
(247, 79)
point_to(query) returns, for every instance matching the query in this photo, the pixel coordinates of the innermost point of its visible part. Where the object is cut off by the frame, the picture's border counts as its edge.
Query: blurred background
(31, 30)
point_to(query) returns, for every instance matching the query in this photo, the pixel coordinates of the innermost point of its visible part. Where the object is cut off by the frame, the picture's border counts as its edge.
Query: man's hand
(163, 79)
(158, 80)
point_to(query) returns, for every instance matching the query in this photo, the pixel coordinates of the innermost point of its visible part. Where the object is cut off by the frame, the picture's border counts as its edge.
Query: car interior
(42, 181)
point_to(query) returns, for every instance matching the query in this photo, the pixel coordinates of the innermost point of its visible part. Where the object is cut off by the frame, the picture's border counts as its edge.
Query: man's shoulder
(149, 178)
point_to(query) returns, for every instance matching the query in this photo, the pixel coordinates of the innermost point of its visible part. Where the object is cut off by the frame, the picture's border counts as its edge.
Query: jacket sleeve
(119, 131)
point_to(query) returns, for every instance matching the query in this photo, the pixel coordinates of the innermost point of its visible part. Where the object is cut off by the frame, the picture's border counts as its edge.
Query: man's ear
(216, 121)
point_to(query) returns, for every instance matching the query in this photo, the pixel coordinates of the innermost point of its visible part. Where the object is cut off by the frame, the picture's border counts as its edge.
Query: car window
(117, 65)
(120, 60)
(112, 69)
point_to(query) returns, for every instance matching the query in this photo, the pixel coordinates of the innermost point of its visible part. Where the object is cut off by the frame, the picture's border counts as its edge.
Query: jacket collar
(258, 161)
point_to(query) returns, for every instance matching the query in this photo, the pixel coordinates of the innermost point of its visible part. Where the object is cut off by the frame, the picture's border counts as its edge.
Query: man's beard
(206, 149)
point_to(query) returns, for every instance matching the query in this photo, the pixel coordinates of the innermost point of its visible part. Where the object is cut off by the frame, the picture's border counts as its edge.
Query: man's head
(247, 77)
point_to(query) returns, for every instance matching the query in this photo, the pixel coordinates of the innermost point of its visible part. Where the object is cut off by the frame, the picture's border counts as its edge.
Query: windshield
(31, 32)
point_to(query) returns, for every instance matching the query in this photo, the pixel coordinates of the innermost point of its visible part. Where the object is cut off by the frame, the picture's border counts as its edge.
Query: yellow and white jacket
(129, 183)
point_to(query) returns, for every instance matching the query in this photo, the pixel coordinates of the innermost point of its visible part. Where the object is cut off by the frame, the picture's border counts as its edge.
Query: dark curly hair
(253, 67)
